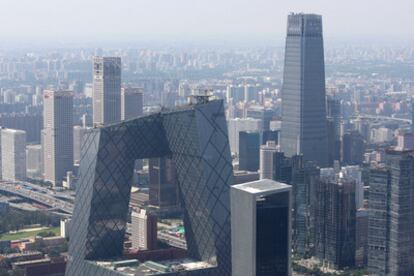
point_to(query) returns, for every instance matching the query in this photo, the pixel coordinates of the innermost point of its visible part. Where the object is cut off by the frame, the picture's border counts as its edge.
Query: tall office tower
(13, 154)
(351, 173)
(79, 133)
(163, 183)
(335, 216)
(144, 230)
(34, 161)
(267, 154)
(261, 228)
(305, 176)
(249, 151)
(195, 137)
(353, 148)
(237, 125)
(378, 221)
(131, 103)
(392, 216)
(303, 92)
(57, 135)
(106, 102)
(334, 116)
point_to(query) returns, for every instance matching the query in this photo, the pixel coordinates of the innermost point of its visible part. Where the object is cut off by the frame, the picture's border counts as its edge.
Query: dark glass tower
(249, 151)
(195, 138)
(304, 128)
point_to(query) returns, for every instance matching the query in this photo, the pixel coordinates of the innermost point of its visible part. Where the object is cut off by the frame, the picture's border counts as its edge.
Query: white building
(241, 124)
(34, 161)
(13, 154)
(144, 230)
(131, 102)
(106, 100)
(261, 223)
(64, 227)
(79, 133)
(266, 159)
(57, 135)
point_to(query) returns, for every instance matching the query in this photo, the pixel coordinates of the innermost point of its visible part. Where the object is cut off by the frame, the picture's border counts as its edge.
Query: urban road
(54, 200)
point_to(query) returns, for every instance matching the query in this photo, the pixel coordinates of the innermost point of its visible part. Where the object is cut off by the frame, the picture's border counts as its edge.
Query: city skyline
(215, 138)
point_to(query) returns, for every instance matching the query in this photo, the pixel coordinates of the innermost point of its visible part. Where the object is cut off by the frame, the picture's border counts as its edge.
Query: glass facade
(196, 139)
(304, 128)
(271, 232)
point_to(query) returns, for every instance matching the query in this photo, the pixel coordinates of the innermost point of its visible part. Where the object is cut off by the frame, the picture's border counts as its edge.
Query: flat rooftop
(154, 267)
(262, 186)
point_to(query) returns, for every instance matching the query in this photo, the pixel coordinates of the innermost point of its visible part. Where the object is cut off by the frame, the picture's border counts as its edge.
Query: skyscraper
(249, 151)
(304, 128)
(131, 103)
(353, 148)
(78, 133)
(144, 230)
(57, 135)
(13, 154)
(267, 155)
(106, 102)
(391, 216)
(195, 137)
(335, 217)
(261, 228)
(163, 182)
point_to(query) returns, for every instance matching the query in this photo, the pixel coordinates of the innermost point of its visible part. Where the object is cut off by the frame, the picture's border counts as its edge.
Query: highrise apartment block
(13, 154)
(106, 102)
(304, 128)
(57, 135)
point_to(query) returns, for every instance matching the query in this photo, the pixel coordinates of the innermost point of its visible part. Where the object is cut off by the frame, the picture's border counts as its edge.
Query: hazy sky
(59, 19)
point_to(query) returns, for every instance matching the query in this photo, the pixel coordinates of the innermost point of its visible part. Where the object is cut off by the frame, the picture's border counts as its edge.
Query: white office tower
(57, 135)
(261, 228)
(13, 154)
(267, 153)
(106, 102)
(131, 102)
(144, 230)
(78, 135)
(34, 161)
(237, 125)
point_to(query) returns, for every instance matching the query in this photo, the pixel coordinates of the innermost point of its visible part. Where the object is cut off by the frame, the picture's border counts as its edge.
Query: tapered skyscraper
(106, 90)
(304, 125)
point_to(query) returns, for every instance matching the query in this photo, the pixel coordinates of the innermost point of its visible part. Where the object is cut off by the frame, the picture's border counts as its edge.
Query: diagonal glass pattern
(195, 137)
